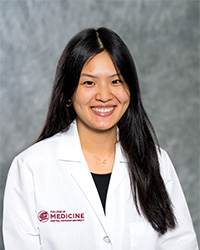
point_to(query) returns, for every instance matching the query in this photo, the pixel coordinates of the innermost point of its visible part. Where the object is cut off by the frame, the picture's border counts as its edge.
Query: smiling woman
(101, 98)
(97, 150)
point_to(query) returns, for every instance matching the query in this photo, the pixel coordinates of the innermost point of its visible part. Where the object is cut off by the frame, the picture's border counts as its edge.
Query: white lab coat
(51, 203)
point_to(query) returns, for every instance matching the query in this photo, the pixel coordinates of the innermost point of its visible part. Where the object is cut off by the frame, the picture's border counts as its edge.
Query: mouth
(103, 111)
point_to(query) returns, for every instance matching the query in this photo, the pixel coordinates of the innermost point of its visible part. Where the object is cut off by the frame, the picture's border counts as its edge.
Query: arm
(183, 236)
(20, 229)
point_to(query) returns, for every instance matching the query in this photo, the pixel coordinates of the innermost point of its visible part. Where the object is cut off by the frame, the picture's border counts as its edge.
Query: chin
(104, 127)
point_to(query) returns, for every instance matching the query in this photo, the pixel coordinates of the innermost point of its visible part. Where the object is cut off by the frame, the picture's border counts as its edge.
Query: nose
(104, 93)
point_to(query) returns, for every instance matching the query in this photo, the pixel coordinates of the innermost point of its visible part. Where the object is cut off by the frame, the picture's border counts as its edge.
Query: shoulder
(34, 157)
(167, 169)
(162, 155)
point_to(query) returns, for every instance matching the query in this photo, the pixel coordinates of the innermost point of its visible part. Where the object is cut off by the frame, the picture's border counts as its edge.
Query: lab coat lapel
(70, 151)
(118, 173)
(83, 178)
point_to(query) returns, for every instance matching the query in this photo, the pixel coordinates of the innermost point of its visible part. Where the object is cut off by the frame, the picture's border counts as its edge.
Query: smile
(102, 110)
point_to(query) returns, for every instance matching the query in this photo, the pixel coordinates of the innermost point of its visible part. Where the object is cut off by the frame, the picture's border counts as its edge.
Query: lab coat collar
(69, 145)
(69, 148)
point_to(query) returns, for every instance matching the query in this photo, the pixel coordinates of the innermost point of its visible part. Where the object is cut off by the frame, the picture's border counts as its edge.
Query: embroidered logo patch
(43, 216)
(60, 216)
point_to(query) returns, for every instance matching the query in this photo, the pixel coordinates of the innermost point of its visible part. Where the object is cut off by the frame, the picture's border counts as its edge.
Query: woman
(95, 179)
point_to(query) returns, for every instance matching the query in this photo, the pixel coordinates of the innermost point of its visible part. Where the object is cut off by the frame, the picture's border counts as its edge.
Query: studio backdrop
(163, 37)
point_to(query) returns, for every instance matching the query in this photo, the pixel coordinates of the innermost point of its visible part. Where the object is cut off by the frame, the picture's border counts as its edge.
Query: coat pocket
(142, 236)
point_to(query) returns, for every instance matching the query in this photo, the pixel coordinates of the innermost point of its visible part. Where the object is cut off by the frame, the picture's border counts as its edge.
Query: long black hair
(136, 134)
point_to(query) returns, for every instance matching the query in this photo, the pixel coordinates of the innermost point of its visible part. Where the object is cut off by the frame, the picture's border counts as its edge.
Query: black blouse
(102, 183)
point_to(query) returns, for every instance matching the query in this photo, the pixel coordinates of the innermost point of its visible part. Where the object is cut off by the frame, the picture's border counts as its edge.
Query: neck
(101, 143)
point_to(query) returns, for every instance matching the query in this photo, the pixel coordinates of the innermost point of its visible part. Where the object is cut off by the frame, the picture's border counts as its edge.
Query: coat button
(106, 239)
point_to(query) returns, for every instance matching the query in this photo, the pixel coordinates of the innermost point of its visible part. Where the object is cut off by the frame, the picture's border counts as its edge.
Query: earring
(68, 103)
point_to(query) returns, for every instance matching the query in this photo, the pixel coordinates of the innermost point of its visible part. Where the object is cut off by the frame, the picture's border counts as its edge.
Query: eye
(117, 81)
(88, 83)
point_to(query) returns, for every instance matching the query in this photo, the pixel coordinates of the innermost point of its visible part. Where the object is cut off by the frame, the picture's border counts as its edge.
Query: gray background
(163, 37)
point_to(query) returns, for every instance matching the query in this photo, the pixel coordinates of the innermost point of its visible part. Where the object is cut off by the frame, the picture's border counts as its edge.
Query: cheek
(124, 97)
(81, 98)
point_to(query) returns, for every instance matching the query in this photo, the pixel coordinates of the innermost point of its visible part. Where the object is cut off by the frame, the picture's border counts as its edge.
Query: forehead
(99, 64)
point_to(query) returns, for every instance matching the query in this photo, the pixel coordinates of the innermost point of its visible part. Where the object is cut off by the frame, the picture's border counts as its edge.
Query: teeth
(103, 110)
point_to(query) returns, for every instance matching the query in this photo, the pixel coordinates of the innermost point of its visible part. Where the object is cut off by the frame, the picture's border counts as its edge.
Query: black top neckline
(102, 182)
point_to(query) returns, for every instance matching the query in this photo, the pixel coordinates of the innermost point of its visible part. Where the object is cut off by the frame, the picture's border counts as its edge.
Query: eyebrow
(92, 76)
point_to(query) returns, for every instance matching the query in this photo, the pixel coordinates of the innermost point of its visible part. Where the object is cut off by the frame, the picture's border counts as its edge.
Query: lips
(103, 111)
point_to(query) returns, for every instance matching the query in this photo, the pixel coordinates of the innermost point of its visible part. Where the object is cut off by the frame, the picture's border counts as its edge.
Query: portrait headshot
(100, 125)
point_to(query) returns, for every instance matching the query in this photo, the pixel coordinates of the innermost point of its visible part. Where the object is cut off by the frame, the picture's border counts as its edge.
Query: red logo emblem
(43, 216)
